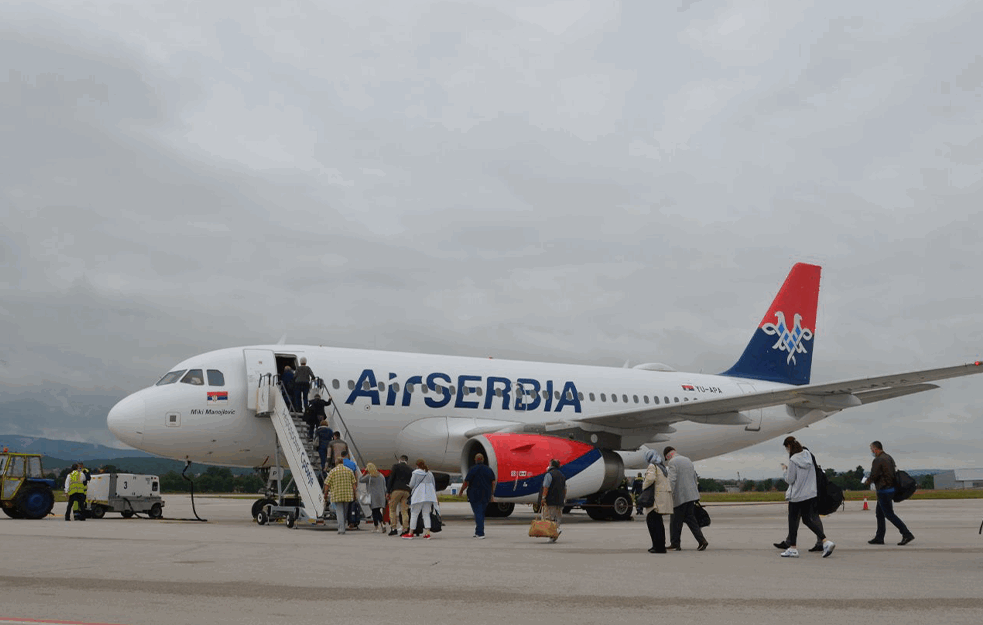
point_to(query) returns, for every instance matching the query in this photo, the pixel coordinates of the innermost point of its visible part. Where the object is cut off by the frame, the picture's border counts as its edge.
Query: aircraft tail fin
(781, 348)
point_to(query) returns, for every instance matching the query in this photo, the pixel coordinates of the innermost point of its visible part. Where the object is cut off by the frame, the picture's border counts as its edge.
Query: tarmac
(231, 570)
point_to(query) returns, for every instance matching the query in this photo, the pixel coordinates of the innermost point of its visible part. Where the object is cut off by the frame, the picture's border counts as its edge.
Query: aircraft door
(755, 414)
(259, 362)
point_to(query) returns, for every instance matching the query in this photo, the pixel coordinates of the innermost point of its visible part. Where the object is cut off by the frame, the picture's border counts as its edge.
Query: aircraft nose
(126, 419)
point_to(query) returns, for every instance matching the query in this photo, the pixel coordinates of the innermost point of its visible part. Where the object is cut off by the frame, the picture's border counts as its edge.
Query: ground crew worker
(75, 489)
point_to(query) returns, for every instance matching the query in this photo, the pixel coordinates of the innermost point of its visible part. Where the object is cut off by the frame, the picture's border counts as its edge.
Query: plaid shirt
(340, 483)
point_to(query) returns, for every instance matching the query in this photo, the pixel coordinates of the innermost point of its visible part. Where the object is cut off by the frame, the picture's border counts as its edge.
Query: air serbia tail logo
(788, 340)
(777, 352)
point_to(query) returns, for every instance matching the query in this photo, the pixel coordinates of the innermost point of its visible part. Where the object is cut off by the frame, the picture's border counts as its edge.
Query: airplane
(596, 420)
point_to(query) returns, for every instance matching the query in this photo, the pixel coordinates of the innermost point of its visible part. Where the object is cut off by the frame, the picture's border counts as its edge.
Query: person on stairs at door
(302, 385)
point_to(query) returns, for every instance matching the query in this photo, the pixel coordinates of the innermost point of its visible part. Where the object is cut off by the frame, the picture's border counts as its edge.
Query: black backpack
(829, 495)
(904, 486)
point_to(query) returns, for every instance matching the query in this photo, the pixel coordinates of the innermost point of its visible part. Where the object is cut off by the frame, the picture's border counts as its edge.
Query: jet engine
(521, 460)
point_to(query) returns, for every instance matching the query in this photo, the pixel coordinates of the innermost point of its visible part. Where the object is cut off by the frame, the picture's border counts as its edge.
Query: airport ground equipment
(24, 491)
(125, 493)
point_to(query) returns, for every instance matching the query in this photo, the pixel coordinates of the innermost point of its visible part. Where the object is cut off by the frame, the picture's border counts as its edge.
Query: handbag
(646, 498)
(702, 516)
(543, 528)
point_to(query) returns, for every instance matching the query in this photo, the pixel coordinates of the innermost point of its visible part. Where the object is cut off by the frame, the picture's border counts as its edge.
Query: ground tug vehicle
(24, 491)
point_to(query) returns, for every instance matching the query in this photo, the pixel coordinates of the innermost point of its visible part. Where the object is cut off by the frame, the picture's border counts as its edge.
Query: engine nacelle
(521, 460)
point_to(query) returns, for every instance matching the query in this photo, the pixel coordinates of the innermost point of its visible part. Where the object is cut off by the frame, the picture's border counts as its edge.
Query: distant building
(959, 478)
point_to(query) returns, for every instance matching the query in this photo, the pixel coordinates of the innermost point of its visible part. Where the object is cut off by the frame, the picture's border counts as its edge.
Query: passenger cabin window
(646, 398)
(604, 397)
(171, 377)
(193, 377)
(215, 378)
(351, 385)
(591, 395)
(336, 384)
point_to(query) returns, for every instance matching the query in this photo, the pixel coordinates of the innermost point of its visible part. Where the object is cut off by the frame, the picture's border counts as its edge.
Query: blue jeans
(885, 510)
(479, 516)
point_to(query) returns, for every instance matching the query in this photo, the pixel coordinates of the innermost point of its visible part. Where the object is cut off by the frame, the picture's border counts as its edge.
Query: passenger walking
(554, 496)
(685, 493)
(375, 484)
(322, 438)
(423, 496)
(479, 484)
(316, 412)
(657, 476)
(398, 490)
(802, 496)
(302, 385)
(882, 471)
(287, 387)
(340, 485)
(75, 489)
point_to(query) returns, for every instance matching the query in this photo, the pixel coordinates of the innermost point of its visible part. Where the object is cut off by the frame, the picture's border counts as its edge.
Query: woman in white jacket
(423, 497)
(800, 473)
(657, 474)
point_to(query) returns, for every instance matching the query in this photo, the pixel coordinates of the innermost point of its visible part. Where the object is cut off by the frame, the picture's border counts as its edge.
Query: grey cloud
(456, 178)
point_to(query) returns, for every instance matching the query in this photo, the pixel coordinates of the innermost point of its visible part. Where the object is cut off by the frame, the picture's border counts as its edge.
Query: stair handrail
(321, 386)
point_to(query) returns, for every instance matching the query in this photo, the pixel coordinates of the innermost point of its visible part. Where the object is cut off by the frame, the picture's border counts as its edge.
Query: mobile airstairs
(294, 447)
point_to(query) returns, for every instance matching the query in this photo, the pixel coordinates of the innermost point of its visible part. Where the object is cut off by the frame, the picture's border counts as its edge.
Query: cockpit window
(193, 376)
(215, 378)
(171, 377)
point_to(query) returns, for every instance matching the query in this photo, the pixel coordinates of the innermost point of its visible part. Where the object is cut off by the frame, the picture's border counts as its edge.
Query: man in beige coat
(658, 475)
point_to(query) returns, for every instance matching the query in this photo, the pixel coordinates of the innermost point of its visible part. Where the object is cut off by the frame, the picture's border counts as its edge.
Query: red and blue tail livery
(781, 348)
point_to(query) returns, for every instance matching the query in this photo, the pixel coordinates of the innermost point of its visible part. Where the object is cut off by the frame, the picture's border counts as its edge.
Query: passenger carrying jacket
(882, 472)
(801, 477)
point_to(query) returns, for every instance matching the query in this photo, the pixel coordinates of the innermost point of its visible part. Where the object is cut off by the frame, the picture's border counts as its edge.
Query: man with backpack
(882, 472)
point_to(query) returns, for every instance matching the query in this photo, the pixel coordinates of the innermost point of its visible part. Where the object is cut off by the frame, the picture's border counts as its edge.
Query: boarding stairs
(299, 452)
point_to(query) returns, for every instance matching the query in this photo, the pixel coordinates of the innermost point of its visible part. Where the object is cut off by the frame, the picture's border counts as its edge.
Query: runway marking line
(20, 621)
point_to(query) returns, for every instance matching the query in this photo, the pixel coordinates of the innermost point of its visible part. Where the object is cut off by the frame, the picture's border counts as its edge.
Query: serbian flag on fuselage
(218, 397)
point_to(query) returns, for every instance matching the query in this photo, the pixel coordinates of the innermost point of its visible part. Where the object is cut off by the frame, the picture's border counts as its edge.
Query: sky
(577, 182)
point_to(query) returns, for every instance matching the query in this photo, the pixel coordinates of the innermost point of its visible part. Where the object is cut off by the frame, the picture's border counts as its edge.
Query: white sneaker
(828, 547)
(791, 552)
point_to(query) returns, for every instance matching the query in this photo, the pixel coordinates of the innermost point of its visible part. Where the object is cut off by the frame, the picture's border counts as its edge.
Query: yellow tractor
(24, 492)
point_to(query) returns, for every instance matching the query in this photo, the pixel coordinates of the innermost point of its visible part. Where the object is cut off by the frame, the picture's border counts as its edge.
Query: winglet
(781, 348)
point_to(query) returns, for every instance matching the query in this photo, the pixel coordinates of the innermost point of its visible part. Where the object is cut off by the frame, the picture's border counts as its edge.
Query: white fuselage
(384, 419)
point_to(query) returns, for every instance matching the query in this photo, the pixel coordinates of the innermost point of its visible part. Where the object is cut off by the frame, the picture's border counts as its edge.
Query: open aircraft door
(259, 362)
(755, 414)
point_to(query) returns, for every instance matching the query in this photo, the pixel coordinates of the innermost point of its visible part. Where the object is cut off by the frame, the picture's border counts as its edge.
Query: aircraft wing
(833, 396)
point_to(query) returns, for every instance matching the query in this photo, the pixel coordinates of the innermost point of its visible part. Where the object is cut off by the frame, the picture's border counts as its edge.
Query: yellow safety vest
(76, 485)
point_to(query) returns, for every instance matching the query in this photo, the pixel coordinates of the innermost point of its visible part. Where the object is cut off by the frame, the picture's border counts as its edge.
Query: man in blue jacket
(480, 486)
